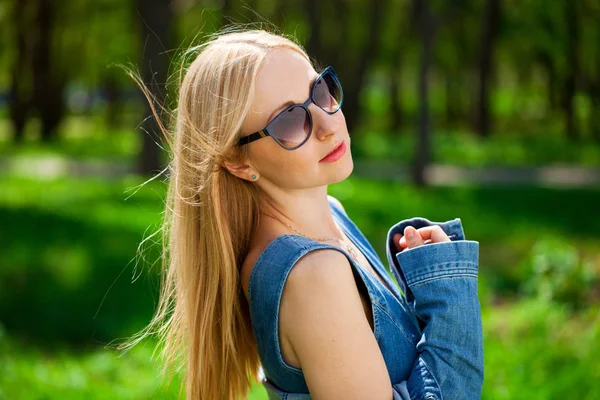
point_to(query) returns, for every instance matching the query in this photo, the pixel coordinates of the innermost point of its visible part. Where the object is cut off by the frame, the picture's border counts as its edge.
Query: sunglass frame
(265, 131)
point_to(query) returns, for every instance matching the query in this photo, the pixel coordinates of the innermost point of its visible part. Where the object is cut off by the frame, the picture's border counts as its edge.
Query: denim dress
(428, 327)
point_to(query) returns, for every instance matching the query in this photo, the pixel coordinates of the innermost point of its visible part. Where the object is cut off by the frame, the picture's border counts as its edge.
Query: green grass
(539, 350)
(62, 373)
(31, 373)
(81, 138)
(69, 283)
(533, 350)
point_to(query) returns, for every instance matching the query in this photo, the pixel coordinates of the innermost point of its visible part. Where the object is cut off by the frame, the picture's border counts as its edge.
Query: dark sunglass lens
(328, 92)
(291, 127)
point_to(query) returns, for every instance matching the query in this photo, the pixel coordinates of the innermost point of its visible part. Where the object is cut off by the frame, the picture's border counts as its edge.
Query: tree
(48, 81)
(489, 33)
(428, 27)
(38, 83)
(156, 19)
(19, 95)
(351, 69)
(572, 70)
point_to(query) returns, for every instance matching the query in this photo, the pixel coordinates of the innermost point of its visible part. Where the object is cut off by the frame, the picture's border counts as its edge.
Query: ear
(241, 170)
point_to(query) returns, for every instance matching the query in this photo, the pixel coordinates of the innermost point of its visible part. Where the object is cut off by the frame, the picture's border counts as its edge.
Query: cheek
(291, 169)
(295, 167)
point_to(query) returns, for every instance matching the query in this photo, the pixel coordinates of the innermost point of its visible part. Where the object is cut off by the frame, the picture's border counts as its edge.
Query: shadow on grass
(67, 279)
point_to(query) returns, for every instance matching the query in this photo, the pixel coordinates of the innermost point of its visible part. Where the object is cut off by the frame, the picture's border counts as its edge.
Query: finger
(413, 238)
(434, 233)
(403, 243)
(396, 239)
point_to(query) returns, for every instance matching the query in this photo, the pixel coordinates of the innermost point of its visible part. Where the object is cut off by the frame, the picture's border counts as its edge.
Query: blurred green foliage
(537, 349)
(559, 273)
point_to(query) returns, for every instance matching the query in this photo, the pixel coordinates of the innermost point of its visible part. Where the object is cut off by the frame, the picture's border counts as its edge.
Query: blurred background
(487, 110)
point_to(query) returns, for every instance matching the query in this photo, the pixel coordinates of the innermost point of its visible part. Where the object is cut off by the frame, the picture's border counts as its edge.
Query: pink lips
(336, 154)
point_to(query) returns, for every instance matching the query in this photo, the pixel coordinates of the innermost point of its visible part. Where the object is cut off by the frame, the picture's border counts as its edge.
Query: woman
(266, 270)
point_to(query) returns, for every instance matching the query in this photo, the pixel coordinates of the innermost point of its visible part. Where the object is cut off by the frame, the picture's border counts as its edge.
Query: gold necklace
(346, 245)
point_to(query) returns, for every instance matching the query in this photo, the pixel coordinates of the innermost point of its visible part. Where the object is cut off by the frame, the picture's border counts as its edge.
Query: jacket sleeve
(439, 281)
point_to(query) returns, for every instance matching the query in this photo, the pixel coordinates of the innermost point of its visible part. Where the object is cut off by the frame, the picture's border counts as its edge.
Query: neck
(306, 211)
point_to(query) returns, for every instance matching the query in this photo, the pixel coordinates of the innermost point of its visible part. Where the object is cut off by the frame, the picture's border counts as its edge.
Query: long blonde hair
(202, 318)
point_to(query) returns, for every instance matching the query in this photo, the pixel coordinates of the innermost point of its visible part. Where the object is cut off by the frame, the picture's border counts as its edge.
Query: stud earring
(253, 177)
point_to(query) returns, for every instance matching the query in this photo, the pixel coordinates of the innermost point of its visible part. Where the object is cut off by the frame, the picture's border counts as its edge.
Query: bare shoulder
(326, 265)
(329, 331)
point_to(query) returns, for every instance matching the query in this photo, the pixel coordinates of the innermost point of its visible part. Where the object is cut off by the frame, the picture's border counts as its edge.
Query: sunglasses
(292, 127)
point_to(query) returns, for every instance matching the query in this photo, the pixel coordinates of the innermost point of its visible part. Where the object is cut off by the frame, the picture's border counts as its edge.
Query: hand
(425, 235)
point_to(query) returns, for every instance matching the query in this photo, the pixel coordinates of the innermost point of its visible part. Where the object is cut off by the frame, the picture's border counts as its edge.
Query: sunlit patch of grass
(29, 372)
(536, 349)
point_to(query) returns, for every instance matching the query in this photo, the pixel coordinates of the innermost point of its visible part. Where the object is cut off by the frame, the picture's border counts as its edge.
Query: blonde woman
(265, 272)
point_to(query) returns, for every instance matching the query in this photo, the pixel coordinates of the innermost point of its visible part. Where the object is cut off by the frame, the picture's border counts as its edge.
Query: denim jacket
(430, 333)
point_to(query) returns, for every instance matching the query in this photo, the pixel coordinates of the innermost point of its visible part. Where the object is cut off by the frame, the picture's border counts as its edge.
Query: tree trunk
(395, 94)
(314, 40)
(18, 99)
(423, 154)
(594, 118)
(357, 76)
(341, 60)
(396, 88)
(573, 70)
(489, 33)
(453, 85)
(545, 59)
(48, 81)
(114, 100)
(156, 18)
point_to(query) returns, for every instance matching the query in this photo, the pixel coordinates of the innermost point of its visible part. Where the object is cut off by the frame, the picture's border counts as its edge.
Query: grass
(539, 350)
(69, 282)
(81, 138)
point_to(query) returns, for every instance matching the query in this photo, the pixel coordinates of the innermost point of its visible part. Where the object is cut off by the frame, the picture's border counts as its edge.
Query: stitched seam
(377, 328)
(465, 263)
(433, 273)
(433, 377)
(290, 368)
(469, 244)
(442, 277)
(382, 308)
(457, 271)
(257, 263)
(361, 240)
(372, 289)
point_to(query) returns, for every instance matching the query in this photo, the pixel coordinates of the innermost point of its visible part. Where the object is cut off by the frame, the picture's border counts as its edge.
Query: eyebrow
(291, 102)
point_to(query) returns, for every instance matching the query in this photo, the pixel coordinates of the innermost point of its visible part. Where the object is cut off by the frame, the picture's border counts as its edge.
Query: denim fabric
(429, 333)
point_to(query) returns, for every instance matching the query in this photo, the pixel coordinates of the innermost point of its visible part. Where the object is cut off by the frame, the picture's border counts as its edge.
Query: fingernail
(410, 232)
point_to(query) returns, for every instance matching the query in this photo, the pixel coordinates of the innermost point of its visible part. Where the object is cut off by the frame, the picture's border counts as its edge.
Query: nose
(325, 124)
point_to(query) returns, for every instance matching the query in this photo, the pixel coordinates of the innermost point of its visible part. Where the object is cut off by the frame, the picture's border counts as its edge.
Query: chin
(345, 166)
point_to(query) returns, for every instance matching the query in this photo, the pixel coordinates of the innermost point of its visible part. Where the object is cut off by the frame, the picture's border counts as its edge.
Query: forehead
(285, 75)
